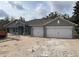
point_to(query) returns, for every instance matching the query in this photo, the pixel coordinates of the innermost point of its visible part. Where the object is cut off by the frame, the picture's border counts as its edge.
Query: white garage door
(38, 31)
(59, 31)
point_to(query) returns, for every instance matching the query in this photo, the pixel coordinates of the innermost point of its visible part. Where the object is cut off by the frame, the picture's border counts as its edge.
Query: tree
(76, 13)
(12, 19)
(66, 16)
(51, 15)
(75, 17)
(3, 22)
(6, 19)
(21, 18)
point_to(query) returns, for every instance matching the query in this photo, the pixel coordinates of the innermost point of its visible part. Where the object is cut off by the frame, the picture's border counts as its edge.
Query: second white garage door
(59, 31)
(38, 31)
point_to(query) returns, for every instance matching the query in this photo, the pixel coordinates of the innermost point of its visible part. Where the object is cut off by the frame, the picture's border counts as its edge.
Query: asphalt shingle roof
(37, 22)
(42, 22)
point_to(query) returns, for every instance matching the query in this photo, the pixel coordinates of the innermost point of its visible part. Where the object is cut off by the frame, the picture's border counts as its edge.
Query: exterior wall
(31, 31)
(73, 32)
(59, 27)
(59, 31)
(11, 30)
(20, 28)
(44, 29)
(37, 31)
(16, 31)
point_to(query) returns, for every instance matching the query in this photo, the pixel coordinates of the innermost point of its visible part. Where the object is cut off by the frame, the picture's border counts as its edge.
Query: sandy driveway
(35, 46)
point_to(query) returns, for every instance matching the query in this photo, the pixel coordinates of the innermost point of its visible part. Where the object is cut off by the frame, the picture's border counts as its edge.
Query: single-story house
(58, 27)
(17, 27)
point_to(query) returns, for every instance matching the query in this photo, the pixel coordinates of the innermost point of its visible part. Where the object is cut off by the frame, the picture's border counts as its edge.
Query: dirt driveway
(27, 46)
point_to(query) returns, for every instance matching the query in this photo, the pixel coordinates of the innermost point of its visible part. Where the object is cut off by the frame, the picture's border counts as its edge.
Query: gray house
(17, 27)
(58, 28)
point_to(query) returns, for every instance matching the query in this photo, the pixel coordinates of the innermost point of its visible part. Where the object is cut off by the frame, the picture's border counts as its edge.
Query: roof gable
(15, 23)
(59, 21)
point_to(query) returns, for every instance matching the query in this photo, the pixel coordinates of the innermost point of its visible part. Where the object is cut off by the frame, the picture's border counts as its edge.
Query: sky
(34, 9)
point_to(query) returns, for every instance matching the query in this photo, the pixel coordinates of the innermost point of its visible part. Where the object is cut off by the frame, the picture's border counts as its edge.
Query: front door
(21, 30)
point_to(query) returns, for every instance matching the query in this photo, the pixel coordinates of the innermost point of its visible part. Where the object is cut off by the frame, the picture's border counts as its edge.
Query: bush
(76, 35)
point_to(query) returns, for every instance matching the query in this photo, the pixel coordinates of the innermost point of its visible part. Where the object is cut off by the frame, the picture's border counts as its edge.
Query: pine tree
(76, 13)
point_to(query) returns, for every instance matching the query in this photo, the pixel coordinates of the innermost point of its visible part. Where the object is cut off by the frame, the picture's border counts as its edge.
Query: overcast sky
(34, 9)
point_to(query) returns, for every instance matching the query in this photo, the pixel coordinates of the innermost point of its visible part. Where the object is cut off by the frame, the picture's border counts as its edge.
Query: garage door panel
(38, 31)
(59, 32)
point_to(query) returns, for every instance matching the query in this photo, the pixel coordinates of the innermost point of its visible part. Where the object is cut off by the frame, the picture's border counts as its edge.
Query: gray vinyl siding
(31, 31)
(73, 32)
